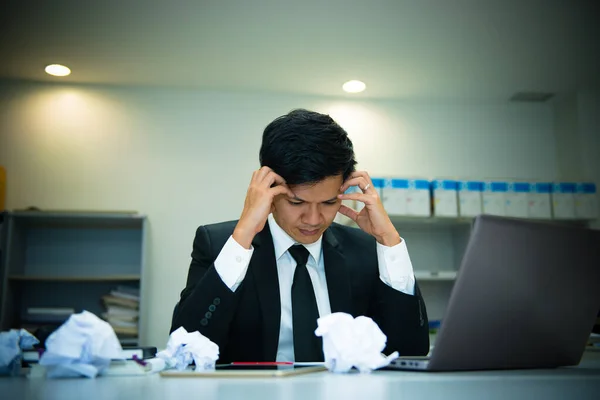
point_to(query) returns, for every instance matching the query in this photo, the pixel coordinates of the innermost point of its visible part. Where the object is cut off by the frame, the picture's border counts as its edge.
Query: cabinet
(67, 261)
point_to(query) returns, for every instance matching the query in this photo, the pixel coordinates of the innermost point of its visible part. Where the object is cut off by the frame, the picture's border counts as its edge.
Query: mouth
(307, 232)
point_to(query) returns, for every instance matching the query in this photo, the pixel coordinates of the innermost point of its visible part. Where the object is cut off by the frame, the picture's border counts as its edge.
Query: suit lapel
(264, 270)
(337, 274)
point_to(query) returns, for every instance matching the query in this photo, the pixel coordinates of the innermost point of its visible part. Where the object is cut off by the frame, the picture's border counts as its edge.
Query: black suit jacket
(245, 323)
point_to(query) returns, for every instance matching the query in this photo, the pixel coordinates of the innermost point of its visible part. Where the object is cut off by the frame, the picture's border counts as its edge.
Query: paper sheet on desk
(83, 346)
(352, 342)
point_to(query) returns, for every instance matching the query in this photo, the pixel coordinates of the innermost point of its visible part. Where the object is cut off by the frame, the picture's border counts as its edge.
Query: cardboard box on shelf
(395, 192)
(563, 200)
(586, 201)
(517, 199)
(539, 205)
(494, 197)
(469, 198)
(418, 198)
(445, 198)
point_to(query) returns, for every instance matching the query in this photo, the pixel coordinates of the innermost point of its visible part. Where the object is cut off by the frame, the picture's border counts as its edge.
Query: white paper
(82, 346)
(11, 344)
(352, 342)
(184, 347)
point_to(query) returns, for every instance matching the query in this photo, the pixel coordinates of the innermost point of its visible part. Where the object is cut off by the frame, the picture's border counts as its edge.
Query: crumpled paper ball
(82, 346)
(184, 347)
(352, 342)
(12, 342)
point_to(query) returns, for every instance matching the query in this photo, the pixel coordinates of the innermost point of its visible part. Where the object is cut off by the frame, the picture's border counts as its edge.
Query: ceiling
(403, 49)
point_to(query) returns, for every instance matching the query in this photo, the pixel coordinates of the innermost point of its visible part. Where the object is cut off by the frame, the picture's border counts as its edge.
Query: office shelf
(66, 259)
(435, 275)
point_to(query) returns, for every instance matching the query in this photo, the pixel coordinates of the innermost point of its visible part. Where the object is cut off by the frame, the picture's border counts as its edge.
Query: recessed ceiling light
(57, 70)
(354, 86)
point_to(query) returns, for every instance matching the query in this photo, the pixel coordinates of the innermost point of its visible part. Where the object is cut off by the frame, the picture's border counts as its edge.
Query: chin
(307, 239)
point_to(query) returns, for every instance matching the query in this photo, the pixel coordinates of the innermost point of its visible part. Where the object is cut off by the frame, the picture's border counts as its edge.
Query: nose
(312, 216)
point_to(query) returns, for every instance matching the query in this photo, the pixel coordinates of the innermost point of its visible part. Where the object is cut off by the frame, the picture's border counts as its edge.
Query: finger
(262, 172)
(348, 212)
(362, 197)
(272, 178)
(362, 174)
(282, 189)
(359, 181)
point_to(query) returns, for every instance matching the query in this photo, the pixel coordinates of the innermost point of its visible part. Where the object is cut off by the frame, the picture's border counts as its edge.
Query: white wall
(184, 158)
(577, 132)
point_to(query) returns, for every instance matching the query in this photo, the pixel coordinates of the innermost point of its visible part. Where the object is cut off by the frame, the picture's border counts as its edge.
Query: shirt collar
(282, 241)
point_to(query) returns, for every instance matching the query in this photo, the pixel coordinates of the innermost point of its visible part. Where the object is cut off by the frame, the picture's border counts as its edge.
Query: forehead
(324, 190)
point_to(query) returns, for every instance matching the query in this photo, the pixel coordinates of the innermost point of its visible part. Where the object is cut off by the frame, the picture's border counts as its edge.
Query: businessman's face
(306, 217)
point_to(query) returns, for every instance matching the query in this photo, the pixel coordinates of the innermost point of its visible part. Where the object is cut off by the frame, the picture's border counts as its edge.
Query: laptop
(526, 296)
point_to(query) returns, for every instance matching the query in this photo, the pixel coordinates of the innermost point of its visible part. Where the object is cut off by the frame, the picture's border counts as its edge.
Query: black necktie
(307, 346)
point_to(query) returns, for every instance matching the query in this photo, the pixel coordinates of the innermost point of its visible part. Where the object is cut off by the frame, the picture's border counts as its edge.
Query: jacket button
(212, 308)
(217, 301)
(208, 314)
(203, 322)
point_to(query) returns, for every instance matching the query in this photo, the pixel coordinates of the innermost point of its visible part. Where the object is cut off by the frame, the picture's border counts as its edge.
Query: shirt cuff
(395, 267)
(232, 263)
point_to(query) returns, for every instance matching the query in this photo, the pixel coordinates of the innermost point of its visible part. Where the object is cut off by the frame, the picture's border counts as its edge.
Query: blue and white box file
(563, 200)
(539, 200)
(469, 198)
(517, 199)
(418, 198)
(494, 198)
(445, 198)
(395, 192)
(406, 197)
(586, 201)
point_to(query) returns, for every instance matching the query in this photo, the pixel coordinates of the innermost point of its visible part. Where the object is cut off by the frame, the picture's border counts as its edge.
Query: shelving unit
(66, 260)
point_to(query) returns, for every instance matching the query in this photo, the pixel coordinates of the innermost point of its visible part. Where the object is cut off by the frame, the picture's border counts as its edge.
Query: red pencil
(262, 363)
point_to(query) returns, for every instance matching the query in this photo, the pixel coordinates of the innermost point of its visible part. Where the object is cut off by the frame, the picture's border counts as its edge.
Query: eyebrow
(324, 201)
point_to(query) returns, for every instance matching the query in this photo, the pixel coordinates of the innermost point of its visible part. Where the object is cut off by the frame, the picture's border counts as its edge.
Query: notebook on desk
(526, 296)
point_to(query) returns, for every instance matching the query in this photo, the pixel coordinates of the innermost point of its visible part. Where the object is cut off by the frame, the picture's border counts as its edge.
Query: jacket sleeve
(206, 304)
(403, 318)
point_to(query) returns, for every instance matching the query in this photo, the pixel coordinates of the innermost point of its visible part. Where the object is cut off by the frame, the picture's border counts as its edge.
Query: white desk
(563, 383)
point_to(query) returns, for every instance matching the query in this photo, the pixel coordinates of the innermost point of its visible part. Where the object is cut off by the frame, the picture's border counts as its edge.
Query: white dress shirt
(395, 270)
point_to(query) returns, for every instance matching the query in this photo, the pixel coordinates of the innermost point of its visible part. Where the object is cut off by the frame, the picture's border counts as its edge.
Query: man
(256, 286)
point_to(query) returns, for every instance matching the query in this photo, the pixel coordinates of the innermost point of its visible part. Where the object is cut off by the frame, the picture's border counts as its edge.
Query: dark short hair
(306, 147)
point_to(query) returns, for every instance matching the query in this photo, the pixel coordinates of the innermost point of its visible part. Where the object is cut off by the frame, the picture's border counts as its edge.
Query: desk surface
(571, 382)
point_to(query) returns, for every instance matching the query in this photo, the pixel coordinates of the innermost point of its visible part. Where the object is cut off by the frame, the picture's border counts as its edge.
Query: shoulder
(215, 234)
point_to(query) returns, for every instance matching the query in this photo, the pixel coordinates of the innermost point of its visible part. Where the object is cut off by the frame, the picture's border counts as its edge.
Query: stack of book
(37, 317)
(122, 313)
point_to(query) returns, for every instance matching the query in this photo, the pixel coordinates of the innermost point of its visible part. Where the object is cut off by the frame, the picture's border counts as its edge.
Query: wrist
(389, 239)
(243, 236)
